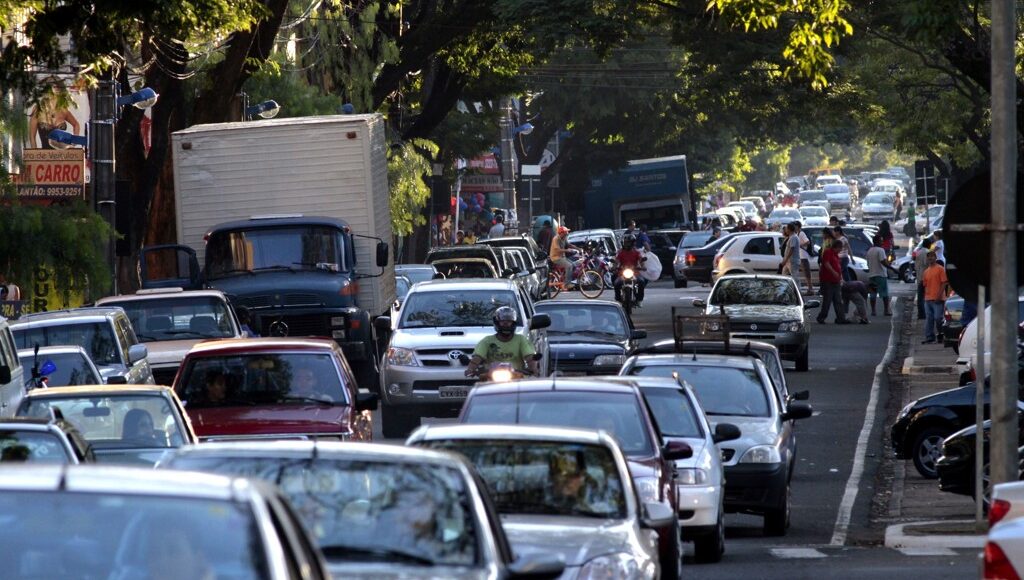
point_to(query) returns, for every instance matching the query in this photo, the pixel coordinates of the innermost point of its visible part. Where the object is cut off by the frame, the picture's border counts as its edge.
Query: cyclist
(504, 346)
(557, 254)
(629, 257)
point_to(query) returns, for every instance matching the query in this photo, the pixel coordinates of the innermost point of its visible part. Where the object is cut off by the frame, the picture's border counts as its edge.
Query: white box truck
(290, 218)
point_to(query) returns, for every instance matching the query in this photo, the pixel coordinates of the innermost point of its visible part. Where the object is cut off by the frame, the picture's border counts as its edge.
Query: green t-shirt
(492, 350)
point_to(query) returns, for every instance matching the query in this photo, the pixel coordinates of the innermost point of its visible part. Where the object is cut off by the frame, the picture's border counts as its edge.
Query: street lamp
(141, 99)
(63, 140)
(265, 110)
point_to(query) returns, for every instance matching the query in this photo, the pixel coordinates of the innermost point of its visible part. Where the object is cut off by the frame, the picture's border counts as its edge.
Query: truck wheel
(397, 423)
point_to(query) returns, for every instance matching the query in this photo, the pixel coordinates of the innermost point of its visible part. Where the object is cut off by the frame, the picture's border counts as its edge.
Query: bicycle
(590, 283)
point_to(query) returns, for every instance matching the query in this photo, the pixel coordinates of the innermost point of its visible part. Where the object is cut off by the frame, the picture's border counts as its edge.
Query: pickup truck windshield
(292, 248)
(178, 317)
(454, 308)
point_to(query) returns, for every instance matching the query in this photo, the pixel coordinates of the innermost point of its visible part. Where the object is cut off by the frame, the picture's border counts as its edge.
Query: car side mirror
(536, 567)
(698, 303)
(812, 304)
(637, 334)
(725, 432)
(797, 410)
(676, 450)
(137, 352)
(382, 254)
(5, 374)
(367, 401)
(800, 396)
(539, 321)
(117, 380)
(657, 515)
(382, 324)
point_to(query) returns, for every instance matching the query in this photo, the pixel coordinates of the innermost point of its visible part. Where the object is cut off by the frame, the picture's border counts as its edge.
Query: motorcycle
(499, 372)
(629, 288)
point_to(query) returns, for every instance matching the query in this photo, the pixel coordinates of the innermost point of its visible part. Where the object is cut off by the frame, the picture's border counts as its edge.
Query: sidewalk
(921, 516)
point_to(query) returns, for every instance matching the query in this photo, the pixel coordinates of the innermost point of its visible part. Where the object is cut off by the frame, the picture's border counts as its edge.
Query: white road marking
(850, 495)
(797, 553)
(927, 552)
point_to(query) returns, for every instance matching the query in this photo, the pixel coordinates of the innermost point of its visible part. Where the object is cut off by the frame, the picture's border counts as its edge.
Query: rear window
(261, 379)
(696, 239)
(673, 411)
(720, 390)
(97, 338)
(31, 447)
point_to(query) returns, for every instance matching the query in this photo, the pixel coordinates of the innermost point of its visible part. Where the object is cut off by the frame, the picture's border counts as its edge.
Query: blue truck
(654, 192)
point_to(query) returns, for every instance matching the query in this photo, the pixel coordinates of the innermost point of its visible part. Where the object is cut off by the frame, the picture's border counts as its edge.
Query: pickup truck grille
(438, 357)
(298, 325)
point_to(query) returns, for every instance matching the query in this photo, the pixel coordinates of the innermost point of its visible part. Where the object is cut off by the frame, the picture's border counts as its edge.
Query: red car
(278, 388)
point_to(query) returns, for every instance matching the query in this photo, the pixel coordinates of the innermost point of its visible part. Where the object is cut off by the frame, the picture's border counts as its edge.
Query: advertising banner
(52, 174)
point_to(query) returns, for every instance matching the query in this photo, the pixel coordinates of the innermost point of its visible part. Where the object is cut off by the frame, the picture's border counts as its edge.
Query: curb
(896, 538)
(909, 368)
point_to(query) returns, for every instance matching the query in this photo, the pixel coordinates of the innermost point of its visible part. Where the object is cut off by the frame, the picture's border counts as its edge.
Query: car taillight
(690, 259)
(998, 511)
(997, 565)
(718, 259)
(947, 315)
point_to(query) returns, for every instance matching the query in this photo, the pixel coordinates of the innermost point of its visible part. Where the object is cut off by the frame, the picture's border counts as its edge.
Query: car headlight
(761, 454)
(402, 357)
(691, 476)
(905, 411)
(610, 566)
(341, 320)
(790, 327)
(609, 359)
(647, 488)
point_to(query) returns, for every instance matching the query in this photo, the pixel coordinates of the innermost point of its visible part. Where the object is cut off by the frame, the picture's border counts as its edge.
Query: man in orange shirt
(936, 288)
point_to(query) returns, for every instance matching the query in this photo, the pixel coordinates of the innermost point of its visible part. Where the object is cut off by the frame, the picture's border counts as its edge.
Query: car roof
(28, 423)
(263, 344)
(516, 432)
(98, 391)
(160, 293)
(738, 346)
(757, 277)
(577, 302)
(554, 384)
(478, 284)
(272, 221)
(718, 360)
(122, 480)
(318, 449)
(61, 349)
(83, 314)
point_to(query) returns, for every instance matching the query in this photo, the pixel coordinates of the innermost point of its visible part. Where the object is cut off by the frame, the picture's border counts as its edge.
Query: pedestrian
(805, 256)
(885, 232)
(939, 247)
(642, 239)
(833, 222)
(460, 238)
(13, 292)
(830, 279)
(716, 232)
(544, 236)
(791, 256)
(469, 237)
(498, 229)
(878, 275)
(920, 265)
(844, 254)
(856, 292)
(936, 289)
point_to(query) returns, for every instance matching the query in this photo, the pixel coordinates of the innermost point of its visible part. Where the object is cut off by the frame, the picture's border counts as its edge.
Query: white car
(839, 198)
(814, 215)
(749, 209)
(1004, 550)
(1007, 502)
(761, 253)
(823, 180)
(877, 206)
(967, 350)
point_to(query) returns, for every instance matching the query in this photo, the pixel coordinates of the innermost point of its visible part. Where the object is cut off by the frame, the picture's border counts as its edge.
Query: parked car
(421, 372)
(950, 327)
(878, 206)
(765, 308)
(781, 216)
(540, 255)
(599, 530)
(89, 521)
(12, 375)
(416, 272)
(619, 409)
(1003, 556)
(42, 440)
(526, 272)
(169, 321)
(955, 466)
(968, 348)
(589, 337)
(695, 256)
(609, 242)
(738, 390)
(72, 366)
(496, 258)
(465, 268)
(1007, 500)
(285, 388)
(105, 332)
(814, 215)
(378, 510)
(129, 424)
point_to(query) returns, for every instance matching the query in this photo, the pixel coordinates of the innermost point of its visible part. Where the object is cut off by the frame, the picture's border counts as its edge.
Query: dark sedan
(956, 466)
(591, 337)
(695, 258)
(952, 321)
(664, 244)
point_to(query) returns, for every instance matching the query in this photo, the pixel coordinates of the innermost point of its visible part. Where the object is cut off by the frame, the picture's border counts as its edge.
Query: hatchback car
(291, 388)
(617, 408)
(759, 465)
(589, 337)
(169, 321)
(761, 253)
(813, 215)
(88, 521)
(42, 440)
(764, 308)
(105, 332)
(878, 206)
(566, 493)
(71, 365)
(781, 216)
(378, 511)
(131, 424)
(695, 256)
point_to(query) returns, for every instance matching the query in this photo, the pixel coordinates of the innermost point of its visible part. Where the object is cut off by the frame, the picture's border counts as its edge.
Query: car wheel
(907, 274)
(926, 450)
(681, 284)
(709, 549)
(776, 520)
(672, 561)
(397, 423)
(803, 363)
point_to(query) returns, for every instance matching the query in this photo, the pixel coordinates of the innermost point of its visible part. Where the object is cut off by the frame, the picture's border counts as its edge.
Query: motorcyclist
(557, 254)
(629, 257)
(504, 346)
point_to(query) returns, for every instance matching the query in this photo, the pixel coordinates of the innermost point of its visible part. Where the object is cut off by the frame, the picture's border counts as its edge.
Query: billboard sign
(52, 174)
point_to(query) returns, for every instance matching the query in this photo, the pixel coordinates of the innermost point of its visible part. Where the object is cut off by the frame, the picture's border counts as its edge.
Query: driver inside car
(504, 346)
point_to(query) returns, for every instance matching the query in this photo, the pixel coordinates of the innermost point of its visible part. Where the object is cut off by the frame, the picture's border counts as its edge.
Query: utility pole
(1003, 443)
(508, 168)
(101, 129)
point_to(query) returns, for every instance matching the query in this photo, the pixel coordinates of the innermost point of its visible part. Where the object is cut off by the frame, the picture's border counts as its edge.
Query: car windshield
(114, 421)
(812, 195)
(31, 447)
(416, 273)
(885, 187)
(261, 379)
(754, 291)
(465, 270)
(720, 390)
(179, 317)
(617, 413)
(785, 214)
(72, 369)
(878, 198)
(60, 534)
(813, 211)
(673, 411)
(454, 307)
(696, 239)
(592, 319)
(97, 338)
(367, 510)
(546, 477)
(286, 248)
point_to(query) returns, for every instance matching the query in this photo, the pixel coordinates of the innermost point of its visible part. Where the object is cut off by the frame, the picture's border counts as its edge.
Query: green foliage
(290, 89)
(408, 167)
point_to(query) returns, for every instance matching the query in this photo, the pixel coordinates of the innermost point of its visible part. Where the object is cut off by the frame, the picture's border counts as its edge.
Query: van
(12, 377)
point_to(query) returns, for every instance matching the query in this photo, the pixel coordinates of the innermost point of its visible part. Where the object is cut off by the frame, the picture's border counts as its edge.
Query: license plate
(453, 392)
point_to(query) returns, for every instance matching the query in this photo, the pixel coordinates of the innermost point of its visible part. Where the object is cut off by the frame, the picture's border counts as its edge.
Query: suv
(43, 440)
(171, 320)
(105, 332)
(12, 379)
(421, 374)
(738, 390)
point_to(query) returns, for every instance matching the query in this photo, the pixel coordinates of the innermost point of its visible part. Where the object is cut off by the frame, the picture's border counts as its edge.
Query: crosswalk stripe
(793, 553)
